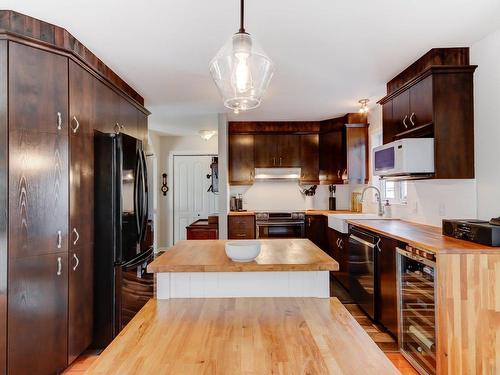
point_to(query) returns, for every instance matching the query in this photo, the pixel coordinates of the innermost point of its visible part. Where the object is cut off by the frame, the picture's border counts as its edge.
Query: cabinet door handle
(404, 122)
(341, 243)
(377, 245)
(251, 175)
(117, 128)
(411, 119)
(59, 121)
(77, 125)
(59, 266)
(59, 239)
(274, 161)
(338, 173)
(337, 242)
(77, 262)
(309, 222)
(77, 236)
(280, 161)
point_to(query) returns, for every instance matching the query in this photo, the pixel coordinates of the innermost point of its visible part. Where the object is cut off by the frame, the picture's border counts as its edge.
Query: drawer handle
(59, 121)
(77, 123)
(77, 262)
(404, 122)
(59, 266)
(411, 117)
(77, 236)
(240, 235)
(59, 239)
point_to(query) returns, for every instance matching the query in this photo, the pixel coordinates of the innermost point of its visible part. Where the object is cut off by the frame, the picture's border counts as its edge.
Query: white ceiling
(328, 53)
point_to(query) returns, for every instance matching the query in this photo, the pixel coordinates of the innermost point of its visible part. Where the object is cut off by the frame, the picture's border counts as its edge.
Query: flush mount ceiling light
(241, 70)
(207, 134)
(364, 105)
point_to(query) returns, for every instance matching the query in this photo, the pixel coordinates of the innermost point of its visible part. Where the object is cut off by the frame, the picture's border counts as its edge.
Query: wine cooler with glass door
(417, 310)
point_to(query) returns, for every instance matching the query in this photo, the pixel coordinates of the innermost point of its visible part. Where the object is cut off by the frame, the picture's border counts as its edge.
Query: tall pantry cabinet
(51, 102)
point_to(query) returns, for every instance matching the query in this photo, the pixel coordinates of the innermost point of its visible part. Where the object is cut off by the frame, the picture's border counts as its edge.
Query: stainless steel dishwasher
(362, 258)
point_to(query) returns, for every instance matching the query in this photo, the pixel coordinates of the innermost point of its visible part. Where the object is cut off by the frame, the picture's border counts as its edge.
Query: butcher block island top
(276, 255)
(251, 336)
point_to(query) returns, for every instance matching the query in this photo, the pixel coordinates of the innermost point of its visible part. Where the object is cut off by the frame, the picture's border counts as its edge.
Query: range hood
(277, 174)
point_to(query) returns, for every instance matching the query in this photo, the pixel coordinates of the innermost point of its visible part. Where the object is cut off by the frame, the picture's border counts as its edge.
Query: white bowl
(242, 251)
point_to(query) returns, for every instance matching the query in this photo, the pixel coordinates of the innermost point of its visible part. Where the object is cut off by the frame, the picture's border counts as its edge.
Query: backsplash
(286, 196)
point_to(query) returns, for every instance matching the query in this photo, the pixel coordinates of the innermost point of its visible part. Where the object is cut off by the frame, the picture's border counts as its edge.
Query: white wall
(167, 145)
(223, 176)
(286, 196)
(486, 54)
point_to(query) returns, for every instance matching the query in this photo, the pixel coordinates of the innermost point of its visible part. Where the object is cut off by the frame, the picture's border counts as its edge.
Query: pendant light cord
(242, 17)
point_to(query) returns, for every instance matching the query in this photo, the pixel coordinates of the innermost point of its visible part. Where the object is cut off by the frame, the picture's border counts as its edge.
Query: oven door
(280, 230)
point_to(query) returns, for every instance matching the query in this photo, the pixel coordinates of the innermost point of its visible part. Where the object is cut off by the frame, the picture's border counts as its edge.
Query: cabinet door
(38, 193)
(266, 151)
(388, 315)
(331, 156)
(38, 90)
(80, 304)
(142, 126)
(241, 227)
(310, 159)
(401, 112)
(82, 88)
(241, 159)
(421, 108)
(128, 118)
(288, 154)
(339, 247)
(316, 230)
(357, 153)
(107, 107)
(388, 122)
(37, 306)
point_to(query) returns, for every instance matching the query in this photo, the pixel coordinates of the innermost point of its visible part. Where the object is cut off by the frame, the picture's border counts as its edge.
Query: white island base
(243, 284)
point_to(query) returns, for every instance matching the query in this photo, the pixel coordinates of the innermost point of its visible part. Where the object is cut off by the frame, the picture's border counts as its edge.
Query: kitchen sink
(339, 221)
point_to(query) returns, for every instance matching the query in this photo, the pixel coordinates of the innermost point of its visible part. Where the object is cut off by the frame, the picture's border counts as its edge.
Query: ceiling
(328, 54)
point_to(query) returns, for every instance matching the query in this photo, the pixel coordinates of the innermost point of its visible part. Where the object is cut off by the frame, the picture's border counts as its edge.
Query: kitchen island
(284, 268)
(251, 336)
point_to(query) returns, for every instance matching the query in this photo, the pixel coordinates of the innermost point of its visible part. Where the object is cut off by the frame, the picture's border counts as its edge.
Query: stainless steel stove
(280, 224)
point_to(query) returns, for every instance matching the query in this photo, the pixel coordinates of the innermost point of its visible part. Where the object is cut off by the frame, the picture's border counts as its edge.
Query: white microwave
(405, 157)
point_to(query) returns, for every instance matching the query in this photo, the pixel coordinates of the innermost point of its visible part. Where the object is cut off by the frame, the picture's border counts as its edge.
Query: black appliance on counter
(280, 224)
(479, 231)
(121, 284)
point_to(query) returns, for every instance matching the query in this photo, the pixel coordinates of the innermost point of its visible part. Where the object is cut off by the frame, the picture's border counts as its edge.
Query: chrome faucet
(377, 196)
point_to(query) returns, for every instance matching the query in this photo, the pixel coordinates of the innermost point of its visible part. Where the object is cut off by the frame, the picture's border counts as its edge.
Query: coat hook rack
(164, 184)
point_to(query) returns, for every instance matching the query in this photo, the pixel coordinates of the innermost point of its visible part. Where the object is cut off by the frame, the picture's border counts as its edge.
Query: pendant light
(241, 70)
(363, 105)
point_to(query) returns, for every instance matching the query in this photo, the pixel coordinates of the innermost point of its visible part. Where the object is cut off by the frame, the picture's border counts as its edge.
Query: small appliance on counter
(332, 200)
(478, 231)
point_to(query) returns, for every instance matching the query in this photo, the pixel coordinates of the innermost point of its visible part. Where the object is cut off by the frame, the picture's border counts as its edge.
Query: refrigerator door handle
(145, 198)
(137, 207)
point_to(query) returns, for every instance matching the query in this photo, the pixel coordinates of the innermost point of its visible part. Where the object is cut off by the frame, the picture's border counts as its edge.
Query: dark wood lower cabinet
(241, 227)
(80, 306)
(338, 244)
(38, 314)
(388, 314)
(316, 230)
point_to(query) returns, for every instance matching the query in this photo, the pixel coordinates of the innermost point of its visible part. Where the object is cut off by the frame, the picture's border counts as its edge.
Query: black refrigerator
(122, 285)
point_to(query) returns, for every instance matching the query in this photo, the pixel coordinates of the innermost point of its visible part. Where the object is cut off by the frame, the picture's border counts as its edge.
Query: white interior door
(192, 201)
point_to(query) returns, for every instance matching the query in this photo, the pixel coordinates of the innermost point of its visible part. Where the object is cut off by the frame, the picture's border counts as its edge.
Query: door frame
(171, 178)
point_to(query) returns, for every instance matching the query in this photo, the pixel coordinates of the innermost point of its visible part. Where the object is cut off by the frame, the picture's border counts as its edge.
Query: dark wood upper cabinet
(331, 156)
(357, 153)
(82, 91)
(265, 151)
(38, 309)
(309, 145)
(38, 193)
(38, 90)
(388, 315)
(434, 98)
(128, 120)
(277, 150)
(241, 159)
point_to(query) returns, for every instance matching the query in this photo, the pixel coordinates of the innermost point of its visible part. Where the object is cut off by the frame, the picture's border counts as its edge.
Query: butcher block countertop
(251, 336)
(327, 212)
(276, 255)
(241, 213)
(422, 236)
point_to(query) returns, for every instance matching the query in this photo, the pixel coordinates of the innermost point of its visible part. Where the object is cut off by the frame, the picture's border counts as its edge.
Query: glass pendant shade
(242, 72)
